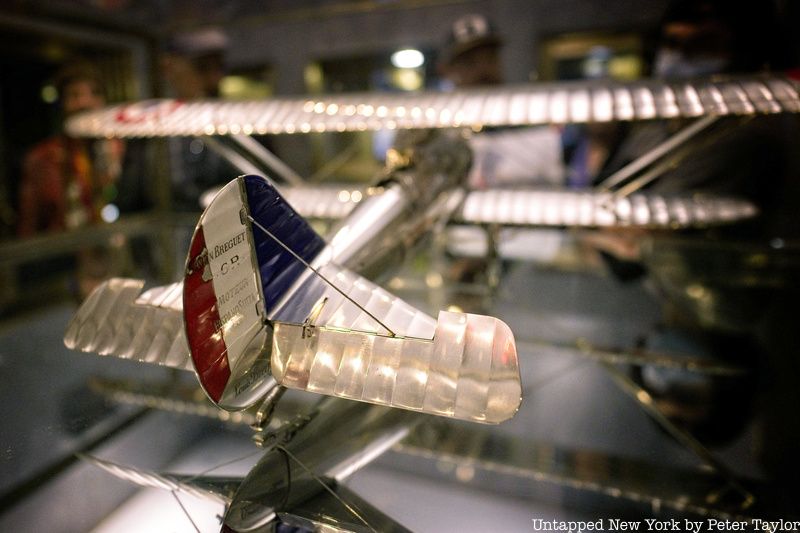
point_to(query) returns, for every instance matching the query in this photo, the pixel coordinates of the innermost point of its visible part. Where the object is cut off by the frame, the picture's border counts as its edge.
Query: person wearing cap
(502, 157)
(471, 55)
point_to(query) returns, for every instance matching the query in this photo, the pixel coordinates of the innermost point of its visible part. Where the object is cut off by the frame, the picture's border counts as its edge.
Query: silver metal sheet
(204, 487)
(555, 103)
(116, 320)
(599, 209)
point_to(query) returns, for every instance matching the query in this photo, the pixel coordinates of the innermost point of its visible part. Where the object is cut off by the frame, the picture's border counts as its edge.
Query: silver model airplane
(266, 303)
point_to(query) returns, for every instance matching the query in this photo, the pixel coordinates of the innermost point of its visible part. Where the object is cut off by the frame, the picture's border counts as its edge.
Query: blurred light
(49, 94)
(433, 280)
(643, 397)
(408, 58)
(109, 213)
(243, 88)
(465, 473)
(313, 77)
(695, 291)
(626, 67)
(396, 283)
(407, 79)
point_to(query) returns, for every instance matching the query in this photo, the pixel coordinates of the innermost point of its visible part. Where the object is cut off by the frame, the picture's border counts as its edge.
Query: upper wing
(555, 103)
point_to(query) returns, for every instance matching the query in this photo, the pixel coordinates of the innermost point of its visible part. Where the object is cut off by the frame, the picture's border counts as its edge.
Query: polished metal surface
(324, 201)
(545, 208)
(170, 397)
(326, 513)
(379, 309)
(223, 312)
(548, 207)
(557, 103)
(425, 174)
(467, 370)
(216, 489)
(600, 209)
(327, 202)
(299, 464)
(518, 465)
(116, 320)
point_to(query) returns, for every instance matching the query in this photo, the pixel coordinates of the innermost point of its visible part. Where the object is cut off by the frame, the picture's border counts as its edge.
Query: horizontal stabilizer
(116, 320)
(467, 370)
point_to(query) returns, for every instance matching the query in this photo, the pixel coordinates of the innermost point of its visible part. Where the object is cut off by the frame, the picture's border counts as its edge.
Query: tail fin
(254, 264)
(234, 278)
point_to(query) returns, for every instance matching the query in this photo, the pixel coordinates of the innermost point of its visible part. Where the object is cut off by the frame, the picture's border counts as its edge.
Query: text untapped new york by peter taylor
(673, 524)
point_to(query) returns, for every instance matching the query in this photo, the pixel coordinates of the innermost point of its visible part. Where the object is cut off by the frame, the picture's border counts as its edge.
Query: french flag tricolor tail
(234, 278)
(264, 304)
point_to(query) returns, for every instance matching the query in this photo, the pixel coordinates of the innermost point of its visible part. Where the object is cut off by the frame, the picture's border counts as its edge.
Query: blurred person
(509, 156)
(704, 38)
(502, 157)
(471, 54)
(67, 181)
(193, 66)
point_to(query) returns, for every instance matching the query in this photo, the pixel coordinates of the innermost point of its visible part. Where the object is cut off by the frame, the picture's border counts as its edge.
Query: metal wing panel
(325, 512)
(599, 209)
(324, 202)
(340, 312)
(216, 489)
(555, 103)
(461, 365)
(116, 320)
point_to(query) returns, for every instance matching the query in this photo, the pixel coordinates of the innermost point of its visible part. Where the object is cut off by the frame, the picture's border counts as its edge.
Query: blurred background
(74, 213)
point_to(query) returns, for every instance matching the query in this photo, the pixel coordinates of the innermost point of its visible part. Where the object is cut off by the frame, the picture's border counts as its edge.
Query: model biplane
(267, 304)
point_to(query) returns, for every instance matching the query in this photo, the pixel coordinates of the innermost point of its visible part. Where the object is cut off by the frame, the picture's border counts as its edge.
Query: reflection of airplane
(267, 303)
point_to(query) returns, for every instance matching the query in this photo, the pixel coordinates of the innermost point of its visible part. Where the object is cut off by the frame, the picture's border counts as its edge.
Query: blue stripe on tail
(277, 267)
